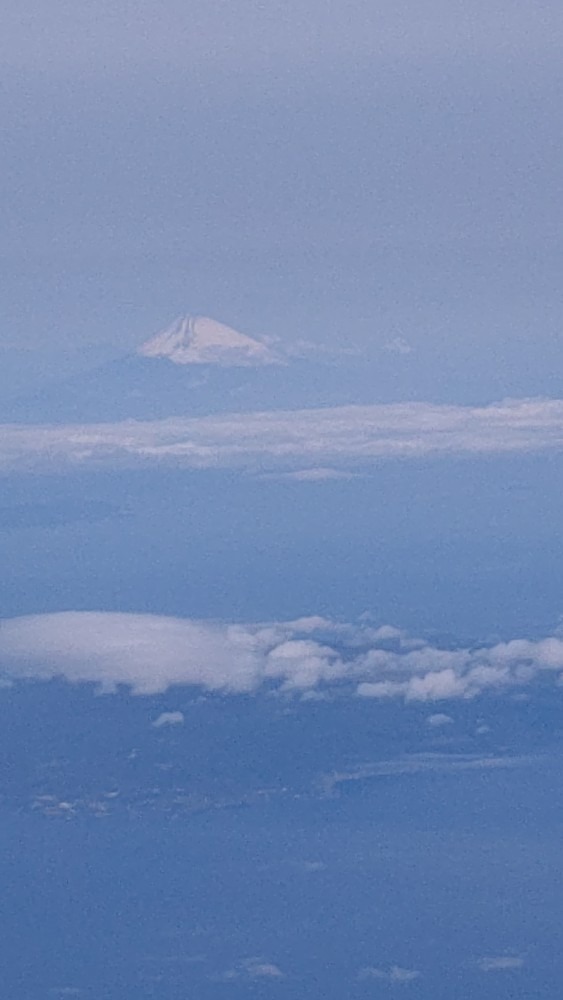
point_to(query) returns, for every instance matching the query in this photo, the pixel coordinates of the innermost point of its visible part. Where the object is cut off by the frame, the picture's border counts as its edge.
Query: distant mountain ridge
(194, 367)
(199, 366)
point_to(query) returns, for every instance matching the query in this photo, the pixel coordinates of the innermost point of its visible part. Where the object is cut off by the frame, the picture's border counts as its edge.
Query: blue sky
(281, 646)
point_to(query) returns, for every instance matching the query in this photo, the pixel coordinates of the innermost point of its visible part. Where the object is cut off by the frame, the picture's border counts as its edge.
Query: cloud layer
(151, 653)
(337, 438)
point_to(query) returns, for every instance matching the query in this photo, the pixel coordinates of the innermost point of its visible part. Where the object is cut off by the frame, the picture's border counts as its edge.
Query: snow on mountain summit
(198, 340)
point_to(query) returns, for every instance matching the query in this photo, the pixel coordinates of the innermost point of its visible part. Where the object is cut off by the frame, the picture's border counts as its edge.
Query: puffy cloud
(147, 652)
(300, 441)
(151, 653)
(502, 963)
(169, 719)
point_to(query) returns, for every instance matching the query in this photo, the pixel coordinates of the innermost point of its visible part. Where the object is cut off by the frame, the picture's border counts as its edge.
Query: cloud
(263, 970)
(253, 969)
(438, 720)
(395, 974)
(417, 763)
(318, 475)
(169, 719)
(336, 438)
(151, 653)
(502, 963)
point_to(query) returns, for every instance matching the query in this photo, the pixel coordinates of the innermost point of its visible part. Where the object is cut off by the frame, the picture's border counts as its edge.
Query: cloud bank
(151, 653)
(335, 438)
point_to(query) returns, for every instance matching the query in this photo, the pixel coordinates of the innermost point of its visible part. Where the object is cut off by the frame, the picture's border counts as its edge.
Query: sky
(281, 645)
(357, 174)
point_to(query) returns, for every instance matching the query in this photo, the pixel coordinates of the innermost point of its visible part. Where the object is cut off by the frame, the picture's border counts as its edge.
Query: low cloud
(439, 720)
(318, 475)
(253, 970)
(169, 719)
(151, 653)
(395, 974)
(501, 963)
(417, 763)
(337, 438)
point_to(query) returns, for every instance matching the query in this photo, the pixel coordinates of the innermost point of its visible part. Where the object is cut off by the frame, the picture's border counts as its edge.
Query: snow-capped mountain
(199, 366)
(198, 340)
(196, 366)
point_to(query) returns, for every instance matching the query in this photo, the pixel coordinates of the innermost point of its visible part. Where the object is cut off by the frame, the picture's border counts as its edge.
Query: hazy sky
(281, 647)
(355, 172)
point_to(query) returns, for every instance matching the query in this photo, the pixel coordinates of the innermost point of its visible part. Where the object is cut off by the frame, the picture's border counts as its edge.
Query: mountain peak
(198, 340)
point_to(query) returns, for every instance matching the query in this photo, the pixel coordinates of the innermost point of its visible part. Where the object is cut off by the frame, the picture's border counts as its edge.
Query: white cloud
(151, 653)
(336, 439)
(418, 763)
(253, 969)
(501, 963)
(169, 719)
(263, 970)
(395, 974)
(438, 720)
